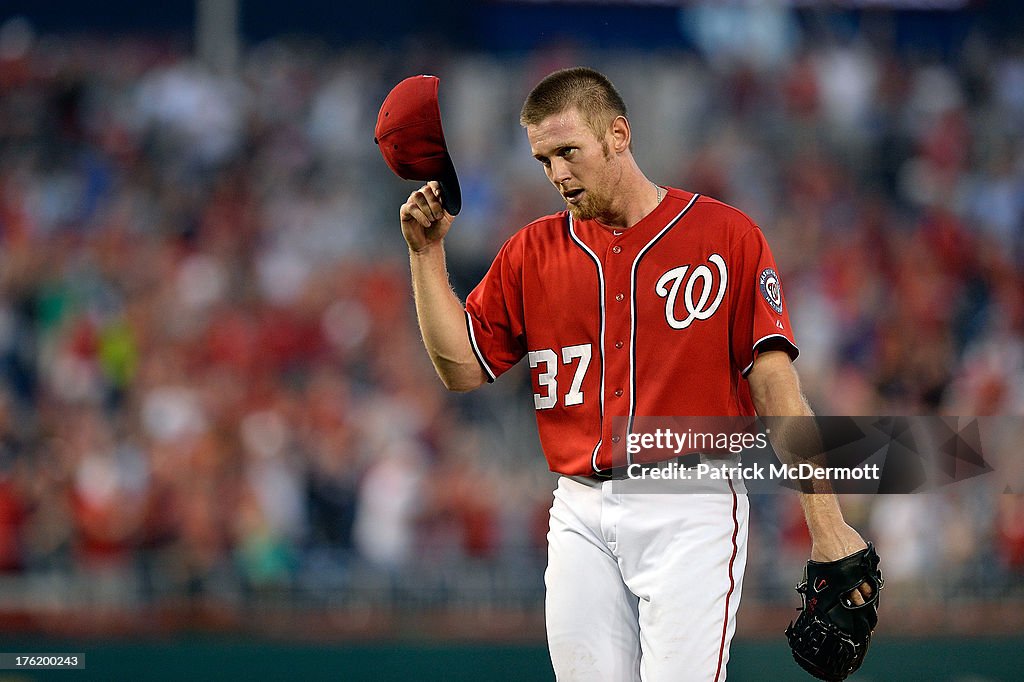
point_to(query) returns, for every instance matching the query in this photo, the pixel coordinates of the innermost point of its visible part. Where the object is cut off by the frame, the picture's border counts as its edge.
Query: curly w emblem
(703, 307)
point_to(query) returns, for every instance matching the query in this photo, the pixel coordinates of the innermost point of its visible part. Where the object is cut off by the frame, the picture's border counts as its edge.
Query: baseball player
(637, 300)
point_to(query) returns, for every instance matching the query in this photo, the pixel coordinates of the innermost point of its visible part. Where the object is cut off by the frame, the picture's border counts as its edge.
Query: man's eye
(568, 151)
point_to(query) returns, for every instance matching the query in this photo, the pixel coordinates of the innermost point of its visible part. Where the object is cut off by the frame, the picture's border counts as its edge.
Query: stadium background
(223, 452)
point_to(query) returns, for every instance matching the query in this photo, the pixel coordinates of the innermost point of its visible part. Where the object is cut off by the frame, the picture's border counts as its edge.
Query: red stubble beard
(590, 207)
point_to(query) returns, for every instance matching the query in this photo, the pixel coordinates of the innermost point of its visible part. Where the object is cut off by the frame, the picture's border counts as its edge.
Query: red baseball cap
(411, 140)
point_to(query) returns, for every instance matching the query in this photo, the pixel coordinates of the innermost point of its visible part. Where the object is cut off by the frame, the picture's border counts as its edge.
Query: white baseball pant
(643, 585)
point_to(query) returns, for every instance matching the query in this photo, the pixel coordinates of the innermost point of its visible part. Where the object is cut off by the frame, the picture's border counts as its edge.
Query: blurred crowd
(210, 372)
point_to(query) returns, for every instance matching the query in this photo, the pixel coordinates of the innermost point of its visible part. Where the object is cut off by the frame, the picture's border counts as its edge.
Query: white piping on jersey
(761, 340)
(632, 315)
(476, 349)
(600, 281)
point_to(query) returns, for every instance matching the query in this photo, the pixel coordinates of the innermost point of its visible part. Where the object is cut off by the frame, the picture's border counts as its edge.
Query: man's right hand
(424, 220)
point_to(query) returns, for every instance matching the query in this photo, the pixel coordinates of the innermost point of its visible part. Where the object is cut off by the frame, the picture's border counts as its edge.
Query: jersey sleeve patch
(771, 289)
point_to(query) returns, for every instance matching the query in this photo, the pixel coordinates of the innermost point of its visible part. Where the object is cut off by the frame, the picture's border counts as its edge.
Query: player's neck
(636, 200)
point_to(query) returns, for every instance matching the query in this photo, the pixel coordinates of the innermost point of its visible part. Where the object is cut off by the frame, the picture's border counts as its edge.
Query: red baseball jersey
(661, 319)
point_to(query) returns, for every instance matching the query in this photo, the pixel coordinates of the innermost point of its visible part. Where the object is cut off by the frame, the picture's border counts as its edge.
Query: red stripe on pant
(732, 581)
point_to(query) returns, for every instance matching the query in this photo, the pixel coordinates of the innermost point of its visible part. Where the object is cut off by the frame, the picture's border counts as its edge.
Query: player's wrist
(835, 541)
(427, 250)
(422, 252)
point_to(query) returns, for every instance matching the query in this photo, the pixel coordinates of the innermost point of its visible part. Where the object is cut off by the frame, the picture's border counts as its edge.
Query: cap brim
(451, 193)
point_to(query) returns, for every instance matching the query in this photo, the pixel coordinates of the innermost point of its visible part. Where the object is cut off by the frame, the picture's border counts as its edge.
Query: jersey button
(618, 392)
(618, 344)
(619, 296)
(616, 249)
(615, 439)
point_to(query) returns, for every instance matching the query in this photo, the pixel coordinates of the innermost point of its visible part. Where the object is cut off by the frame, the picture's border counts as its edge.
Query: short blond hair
(580, 87)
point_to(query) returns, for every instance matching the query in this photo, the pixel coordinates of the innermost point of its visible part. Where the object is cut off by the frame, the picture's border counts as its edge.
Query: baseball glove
(831, 635)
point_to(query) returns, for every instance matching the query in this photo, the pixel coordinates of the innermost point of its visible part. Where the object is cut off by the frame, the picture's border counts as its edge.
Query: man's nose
(559, 171)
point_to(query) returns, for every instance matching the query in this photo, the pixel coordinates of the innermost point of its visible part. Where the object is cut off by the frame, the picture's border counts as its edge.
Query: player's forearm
(775, 388)
(797, 441)
(824, 516)
(442, 321)
(831, 536)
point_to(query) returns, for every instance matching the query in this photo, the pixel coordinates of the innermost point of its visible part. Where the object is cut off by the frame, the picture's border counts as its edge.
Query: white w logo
(699, 309)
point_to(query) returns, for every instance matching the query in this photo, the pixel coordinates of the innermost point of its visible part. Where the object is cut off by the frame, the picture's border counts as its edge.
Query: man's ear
(620, 134)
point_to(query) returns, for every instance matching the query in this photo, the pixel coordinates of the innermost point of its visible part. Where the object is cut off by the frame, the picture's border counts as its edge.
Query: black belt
(689, 461)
